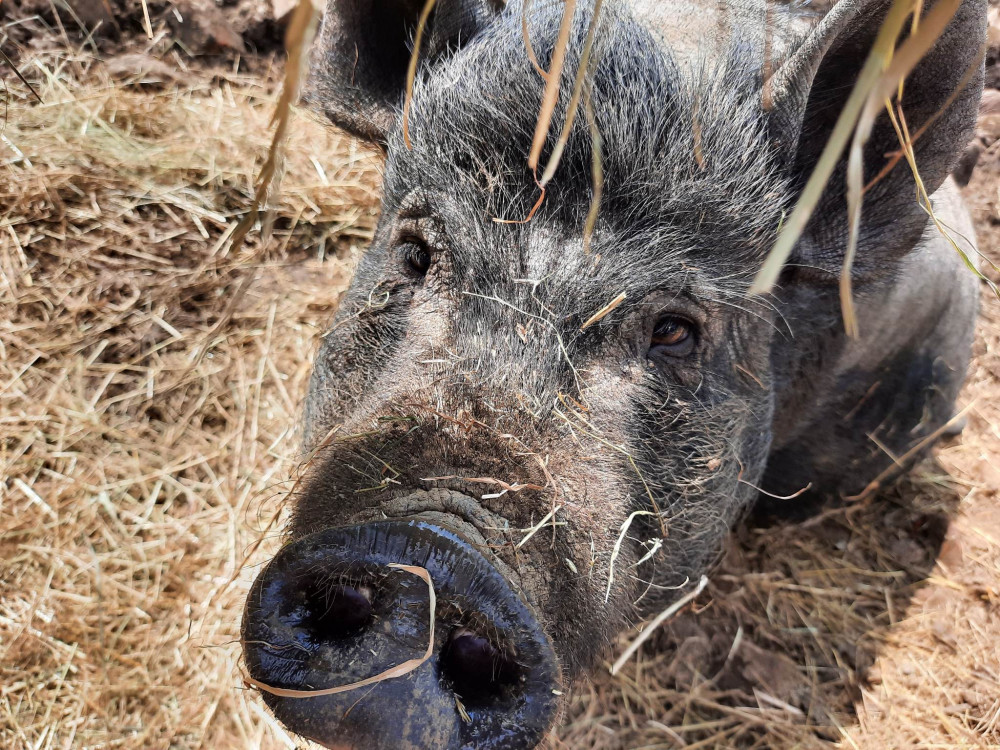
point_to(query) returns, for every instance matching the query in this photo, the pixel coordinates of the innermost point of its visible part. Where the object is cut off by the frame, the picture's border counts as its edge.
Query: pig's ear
(808, 92)
(359, 65)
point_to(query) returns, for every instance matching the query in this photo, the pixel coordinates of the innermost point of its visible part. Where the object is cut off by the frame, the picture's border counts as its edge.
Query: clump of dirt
(225, 31)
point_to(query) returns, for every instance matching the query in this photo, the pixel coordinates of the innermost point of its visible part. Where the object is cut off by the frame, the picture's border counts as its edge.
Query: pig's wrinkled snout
(329, 611)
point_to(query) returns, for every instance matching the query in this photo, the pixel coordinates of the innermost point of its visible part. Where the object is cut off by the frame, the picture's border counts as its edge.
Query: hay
(550, 96)
(132, 485)
(661, 618)
(411, 68)
(603, 312)
(129, 488)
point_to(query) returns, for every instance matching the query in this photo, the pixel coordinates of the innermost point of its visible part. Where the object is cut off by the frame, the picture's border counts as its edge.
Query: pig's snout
(329, 610)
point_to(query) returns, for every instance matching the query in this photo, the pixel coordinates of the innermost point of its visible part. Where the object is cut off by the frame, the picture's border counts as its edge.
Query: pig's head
(559, 425)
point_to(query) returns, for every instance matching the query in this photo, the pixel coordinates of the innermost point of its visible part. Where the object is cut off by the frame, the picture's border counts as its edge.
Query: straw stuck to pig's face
(558, 419)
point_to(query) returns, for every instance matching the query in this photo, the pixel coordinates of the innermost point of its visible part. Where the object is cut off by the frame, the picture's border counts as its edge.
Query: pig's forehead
(685, 156)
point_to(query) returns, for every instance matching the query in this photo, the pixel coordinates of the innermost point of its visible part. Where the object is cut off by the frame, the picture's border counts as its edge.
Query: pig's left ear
(359, 65)
(808, 92)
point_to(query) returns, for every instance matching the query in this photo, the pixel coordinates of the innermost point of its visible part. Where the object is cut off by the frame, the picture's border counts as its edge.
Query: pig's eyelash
(416, 255)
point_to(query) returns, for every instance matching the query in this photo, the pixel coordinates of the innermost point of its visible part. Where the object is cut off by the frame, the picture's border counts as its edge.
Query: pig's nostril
(329, 611)
(474, 665)
(471, 657)
(345, 611)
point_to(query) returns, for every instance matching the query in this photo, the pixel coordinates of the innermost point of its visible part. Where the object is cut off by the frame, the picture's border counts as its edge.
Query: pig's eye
(674, 336)
(416, 255)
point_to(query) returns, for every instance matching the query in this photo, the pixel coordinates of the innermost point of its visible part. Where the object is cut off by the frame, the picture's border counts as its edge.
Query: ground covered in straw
(148, 432)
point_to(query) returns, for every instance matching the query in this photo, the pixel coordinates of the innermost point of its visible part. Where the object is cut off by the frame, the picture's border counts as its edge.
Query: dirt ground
(149, 433)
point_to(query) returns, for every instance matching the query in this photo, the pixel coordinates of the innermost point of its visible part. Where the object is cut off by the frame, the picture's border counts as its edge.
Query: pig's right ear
(940, 102)
(358, 75)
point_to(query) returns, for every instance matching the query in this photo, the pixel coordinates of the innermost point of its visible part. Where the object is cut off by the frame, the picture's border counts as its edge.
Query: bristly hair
(688, 164)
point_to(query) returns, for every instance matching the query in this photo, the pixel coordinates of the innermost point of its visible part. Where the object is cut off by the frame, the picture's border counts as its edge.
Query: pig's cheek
(440, 289)
(427, 334)
(582, 627)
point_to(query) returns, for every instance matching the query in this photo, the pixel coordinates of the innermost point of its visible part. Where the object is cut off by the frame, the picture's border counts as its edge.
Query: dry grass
(136, 472)
(140, 461)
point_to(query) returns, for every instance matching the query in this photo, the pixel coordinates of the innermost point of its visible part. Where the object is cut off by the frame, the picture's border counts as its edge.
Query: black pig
(460, 398)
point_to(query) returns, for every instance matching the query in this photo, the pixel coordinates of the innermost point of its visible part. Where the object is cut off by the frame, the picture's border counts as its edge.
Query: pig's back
(700, 32)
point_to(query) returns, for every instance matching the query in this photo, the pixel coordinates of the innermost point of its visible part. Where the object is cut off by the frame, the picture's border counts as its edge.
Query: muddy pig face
(486, 373)
(558, 416)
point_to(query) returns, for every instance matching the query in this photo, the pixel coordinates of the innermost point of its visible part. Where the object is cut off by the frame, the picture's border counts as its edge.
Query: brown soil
(148, 431)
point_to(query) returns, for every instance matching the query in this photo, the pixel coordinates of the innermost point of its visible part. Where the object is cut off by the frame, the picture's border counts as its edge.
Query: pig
(558, 419)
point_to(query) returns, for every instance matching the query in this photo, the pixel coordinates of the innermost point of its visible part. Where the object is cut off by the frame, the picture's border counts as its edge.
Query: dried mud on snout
(140, 495)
